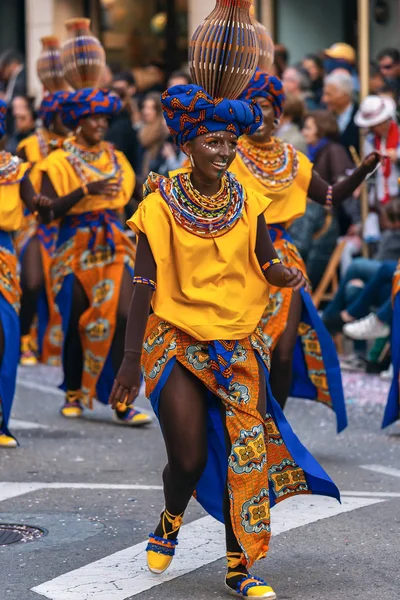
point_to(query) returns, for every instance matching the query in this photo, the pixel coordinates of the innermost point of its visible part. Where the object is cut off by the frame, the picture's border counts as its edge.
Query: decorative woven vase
(224, 50)
(82, 56)
(49, 66)
(267, 48)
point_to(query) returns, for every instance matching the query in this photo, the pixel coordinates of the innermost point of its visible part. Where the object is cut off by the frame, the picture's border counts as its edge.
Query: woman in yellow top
(205, 252)
(304, 359)
(14, 187)
(36, 243)
(93, 263)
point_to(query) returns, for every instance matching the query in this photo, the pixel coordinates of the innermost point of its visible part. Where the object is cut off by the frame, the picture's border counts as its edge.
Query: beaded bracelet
(145, 281)
(329, 196)
(271, 263)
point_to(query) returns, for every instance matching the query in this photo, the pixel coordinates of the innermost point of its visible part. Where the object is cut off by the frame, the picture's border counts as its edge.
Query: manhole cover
(12, 534)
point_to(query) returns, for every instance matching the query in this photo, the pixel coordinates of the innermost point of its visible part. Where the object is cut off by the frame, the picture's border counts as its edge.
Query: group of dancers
(212, 300)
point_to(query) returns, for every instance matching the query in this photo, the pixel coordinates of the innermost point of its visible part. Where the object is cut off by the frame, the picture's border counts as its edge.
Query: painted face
(310, 131)
(212, 154)
(94, 129)
(263, 133)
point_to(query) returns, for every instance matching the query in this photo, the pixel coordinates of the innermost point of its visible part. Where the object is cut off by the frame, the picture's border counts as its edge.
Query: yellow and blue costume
(316, 369)
(12, 173)
(392, 412)
(210, 297)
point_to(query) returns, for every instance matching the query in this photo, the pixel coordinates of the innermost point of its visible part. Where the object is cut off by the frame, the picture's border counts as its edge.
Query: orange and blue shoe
(28, 355)
(131, 417)
(72, 408)
(243, 585)
(7, 441)
(161, 550)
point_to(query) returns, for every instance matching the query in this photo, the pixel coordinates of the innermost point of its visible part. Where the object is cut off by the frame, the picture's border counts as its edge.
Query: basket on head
(49, 66)
(224, 50)
(267, 48)
(82, 56)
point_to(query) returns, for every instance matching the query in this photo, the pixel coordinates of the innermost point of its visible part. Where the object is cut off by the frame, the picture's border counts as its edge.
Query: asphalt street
(94, 488)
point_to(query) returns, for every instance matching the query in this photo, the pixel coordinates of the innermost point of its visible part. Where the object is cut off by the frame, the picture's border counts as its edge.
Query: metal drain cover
(12, 534)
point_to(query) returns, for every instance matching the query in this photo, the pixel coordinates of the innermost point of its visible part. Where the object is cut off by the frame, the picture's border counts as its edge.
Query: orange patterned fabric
(276, 316)
(396, 283)
(259, 458)
(99, 265)
(9, 280)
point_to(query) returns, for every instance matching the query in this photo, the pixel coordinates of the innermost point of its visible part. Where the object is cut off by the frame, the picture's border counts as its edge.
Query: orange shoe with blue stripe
(28, 355)
(127, 415)
(161, 550)
(7, 441)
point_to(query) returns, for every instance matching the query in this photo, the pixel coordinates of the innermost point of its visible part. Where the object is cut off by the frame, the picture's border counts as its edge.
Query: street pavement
(95, 488)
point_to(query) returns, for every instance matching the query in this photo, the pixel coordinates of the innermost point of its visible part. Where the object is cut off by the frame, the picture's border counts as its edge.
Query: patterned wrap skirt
(267, 462)
(10, 298)
(316, 369)
(392, 412)
(93, 248)
(47, 331)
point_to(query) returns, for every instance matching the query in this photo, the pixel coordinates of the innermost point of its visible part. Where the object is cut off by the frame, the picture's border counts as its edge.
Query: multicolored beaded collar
(81, 160)
(274, 164)
(206, 217)
(9, 169)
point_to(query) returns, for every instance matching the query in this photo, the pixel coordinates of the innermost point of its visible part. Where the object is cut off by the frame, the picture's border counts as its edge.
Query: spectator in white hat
(378, 115)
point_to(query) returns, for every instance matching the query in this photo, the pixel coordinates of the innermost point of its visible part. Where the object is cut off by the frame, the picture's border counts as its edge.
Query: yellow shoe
(28, 356)
(243, 585)
(161, 550)
(250, 587)
(6, 441)
(72, 408)
(131, 417)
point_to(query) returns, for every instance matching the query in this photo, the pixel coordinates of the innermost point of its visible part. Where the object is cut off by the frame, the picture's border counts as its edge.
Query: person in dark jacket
(121, 132)
(315, 234)
(338, 97)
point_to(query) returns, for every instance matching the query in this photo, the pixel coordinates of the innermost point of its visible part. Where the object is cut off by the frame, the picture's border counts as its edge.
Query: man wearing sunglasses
(389, 65)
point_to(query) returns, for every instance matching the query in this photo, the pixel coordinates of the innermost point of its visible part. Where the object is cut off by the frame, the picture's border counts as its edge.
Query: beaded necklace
(43, 142)
(274, 164)
(83, 154)
(206, 217)
(9, 167)
(87, 172)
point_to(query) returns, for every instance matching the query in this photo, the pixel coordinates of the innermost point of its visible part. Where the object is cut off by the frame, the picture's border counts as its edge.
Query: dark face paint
(213, 154)
(264, 133)
(94, 129)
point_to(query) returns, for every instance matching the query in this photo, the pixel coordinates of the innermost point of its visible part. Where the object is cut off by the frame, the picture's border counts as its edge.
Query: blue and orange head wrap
(3, 115)
(86, 103)
(189, 112)
(50, 105)
(268, 87)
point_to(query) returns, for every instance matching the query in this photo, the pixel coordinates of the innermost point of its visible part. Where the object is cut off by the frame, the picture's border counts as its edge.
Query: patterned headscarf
(268, 87)
(86, 103)
(189, 112)
(50, 105)
(3, 115)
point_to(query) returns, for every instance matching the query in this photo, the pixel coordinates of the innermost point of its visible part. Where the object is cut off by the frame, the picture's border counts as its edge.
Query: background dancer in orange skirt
(93, 264)
(304, 359)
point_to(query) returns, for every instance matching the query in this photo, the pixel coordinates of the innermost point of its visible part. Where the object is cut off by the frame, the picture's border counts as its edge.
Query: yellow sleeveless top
(11, 206)
(66, 180)
(288, 204)
(210, 288)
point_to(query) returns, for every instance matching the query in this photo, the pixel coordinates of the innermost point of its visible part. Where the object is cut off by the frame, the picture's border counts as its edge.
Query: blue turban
(50, 105)
(268, 87)
(189, 112)
(3, 115)
(86, 103)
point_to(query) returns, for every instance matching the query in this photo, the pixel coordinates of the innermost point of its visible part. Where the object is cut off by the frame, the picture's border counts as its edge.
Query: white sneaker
(388, 375)
(369, 328)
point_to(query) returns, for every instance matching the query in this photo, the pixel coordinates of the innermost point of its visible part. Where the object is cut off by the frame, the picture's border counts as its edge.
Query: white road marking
(13, 489)
(18, 424)
(382, 470)
(124, 574)
(372, 494)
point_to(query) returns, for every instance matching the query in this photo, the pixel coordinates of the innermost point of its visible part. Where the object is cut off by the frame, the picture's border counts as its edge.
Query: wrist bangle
(329, 196)
(271, 263)
(145, 281)
(85, 190)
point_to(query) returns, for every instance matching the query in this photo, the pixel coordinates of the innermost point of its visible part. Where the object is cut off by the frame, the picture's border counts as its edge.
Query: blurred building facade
(135, 32)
